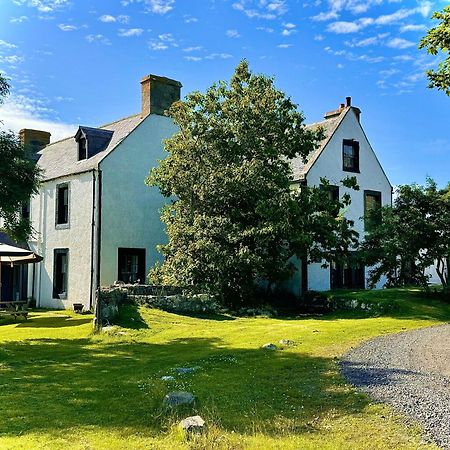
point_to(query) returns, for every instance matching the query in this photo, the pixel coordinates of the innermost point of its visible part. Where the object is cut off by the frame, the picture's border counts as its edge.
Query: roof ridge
(101, 126)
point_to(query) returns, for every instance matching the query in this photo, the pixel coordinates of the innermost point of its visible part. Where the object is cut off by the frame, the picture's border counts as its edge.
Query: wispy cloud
(107, 18)
(20, 111)
(411, 27)
(400, 43)
(265, 29)
(233, 34)
(218, 56)
(44, 6)
(12, 60)
(154, 6)
(193, 58)
(98, 38)
(18, 19)
(190, 19)
(257, 9)
(130, 32)
(64, 27)
(164, 41)
(7, 44)
(284, 45)
(193, 49)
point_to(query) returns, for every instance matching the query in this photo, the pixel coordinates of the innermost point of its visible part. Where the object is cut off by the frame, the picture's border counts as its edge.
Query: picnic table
(14, 309)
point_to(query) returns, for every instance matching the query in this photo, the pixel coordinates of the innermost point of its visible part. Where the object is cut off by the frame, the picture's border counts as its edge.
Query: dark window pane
(62, 204)
(82, 149)
(60, 273)
(350, 156)
(372, 209)
(131, 265)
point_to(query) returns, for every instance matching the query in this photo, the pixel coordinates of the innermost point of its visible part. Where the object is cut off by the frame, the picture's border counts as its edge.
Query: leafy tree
(232, 218)
(414, 234)
(438, 40)
(19, 179)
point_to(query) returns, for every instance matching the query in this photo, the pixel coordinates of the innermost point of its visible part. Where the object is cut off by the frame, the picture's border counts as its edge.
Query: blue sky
(79, 62)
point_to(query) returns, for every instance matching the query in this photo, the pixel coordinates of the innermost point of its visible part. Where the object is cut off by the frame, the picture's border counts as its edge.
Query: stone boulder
(269, 346)
(193, 424)
(179, 398)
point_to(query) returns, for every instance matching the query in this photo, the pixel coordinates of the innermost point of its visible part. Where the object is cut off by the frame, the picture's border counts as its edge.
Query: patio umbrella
(9, 254)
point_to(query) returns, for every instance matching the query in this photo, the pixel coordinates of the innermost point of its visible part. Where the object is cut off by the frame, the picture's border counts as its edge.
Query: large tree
(413, 235)
(232, 218)
(437, 41)
(19, 179)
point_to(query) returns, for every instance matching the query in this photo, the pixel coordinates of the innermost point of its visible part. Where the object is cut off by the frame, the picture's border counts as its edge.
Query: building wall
(76, 237)
(371, 177)
(130, 210)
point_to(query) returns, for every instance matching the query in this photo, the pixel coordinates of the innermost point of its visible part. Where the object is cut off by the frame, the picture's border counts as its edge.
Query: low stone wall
(159, 297)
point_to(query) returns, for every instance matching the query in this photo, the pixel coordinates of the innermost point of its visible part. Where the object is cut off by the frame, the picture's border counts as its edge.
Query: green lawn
(63, 387)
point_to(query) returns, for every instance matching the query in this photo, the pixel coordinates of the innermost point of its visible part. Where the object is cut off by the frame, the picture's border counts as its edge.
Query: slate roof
(60, 158)
(299, 168)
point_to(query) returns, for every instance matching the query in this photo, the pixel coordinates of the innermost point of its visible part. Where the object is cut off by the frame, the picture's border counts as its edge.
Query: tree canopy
(414, 234)
(234, 219)
(19, 179)
(437, 41)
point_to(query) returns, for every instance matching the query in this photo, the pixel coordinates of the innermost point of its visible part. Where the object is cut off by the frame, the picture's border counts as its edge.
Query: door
(348, 275)
(131, 265)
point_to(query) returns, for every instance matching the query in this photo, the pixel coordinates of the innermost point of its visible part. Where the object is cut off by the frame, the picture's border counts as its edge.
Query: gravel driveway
(410, 371)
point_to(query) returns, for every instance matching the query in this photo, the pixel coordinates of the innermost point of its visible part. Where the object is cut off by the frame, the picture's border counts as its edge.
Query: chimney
(158, 94)
(33, 141)
(348, 101)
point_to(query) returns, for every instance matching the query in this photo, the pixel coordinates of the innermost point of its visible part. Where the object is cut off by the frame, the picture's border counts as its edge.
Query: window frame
(367, 221)
(355, 145)
(83, 139)
(62, 225)
(60, 295)
(141, 254)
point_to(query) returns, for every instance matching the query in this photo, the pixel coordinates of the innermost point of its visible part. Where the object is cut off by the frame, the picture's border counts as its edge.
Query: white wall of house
(76, 237)
(371, 177)
(130, 210)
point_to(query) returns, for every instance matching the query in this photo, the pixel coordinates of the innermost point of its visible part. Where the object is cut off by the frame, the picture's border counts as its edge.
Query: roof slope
(300, 168)
(61, 158)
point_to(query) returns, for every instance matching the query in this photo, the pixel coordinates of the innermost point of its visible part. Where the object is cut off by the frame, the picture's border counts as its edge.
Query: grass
(63, 387)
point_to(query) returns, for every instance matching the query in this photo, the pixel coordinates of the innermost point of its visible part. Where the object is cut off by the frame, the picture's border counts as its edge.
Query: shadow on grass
(52, 385)
(50, 322)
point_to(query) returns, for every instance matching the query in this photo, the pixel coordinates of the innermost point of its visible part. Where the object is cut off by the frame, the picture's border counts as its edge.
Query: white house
(96, 221)
(345, 151)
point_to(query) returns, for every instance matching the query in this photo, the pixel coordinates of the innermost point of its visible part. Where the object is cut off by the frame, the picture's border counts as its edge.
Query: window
(372, 209)
(131, 265)
(333, 195)
(350, 155)
(82, 149)
(62, 204)
(60, 272)
(25, 210)
(347, 275)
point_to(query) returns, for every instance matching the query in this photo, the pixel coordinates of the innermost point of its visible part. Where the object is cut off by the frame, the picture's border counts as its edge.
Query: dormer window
(82, 149)
(92, 141)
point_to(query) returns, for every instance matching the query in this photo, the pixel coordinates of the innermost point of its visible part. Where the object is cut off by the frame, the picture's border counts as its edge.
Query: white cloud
(44, 6)
(130, 32)
(158, 46)
(7, 44)
(107, 18)
(284, 45)
(289, 25)
(18, 19)
(261, 9)
(266, 29)
(394, 17)
(400, 43)
(22, 112)
(193, 58)
(219, 56)
(154, 6)
(287, 32)
(318, 37)
(405, 28)
(12, 60)
(344, 27)
(403, 58)
(99, 38)
(63, 27)
(190, 19)
(193, 49)
(233, 34)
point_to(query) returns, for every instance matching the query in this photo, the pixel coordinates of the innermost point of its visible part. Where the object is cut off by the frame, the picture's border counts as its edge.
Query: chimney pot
(158, 94)
(348, 101)
(342, 106)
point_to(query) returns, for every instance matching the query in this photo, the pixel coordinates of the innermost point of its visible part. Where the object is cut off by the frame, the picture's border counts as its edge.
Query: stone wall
(165, 298)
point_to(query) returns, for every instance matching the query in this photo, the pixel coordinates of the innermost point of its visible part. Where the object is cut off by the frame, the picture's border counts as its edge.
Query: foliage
(19, 179)
(64, 388)
(414, 234)
(234, 218)
(438, 40)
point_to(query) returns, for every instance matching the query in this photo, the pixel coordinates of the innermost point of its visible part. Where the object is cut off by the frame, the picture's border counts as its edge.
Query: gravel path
(411, 372)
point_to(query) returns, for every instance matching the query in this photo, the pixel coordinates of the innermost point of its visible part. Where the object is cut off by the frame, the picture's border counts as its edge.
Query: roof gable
(60, 158)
